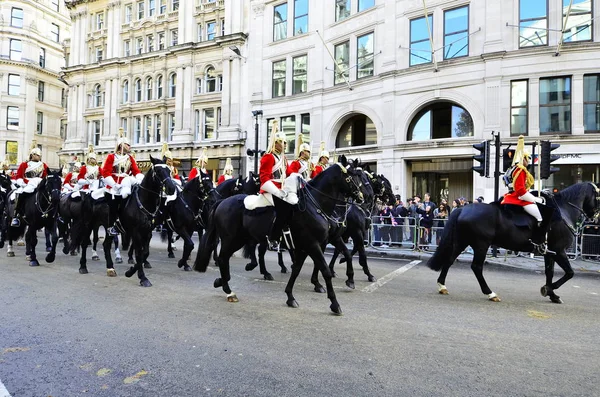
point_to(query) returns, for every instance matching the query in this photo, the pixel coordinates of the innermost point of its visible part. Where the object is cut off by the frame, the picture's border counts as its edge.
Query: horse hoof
(250, 266)
(34, 263)
(27, 257)
(111, 272)
(320, 289)
(350, 284)
(171, 255)
(556, 299)
(147, 266)
(187, 268)
(283, 269)
(544, 291)
(232, 298)
(49, 249)
(73, 253)
(443, 291)
(21, 243)
(83, 270)
(65, 250)
(268, 277)
(343, 260)
(145, 283)
(495, 299)
(131, 261)
(118, 259)
(371, 279)
(130, 272)
(336, 309)
(10, 254)
(97, 258)
(218, 283)
(293, 303)
(50, 258)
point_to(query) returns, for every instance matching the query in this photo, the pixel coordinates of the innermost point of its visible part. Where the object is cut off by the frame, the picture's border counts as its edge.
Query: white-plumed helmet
(203, 159)
(166, 153)
(276, 136)
(122, 139)
(323, 152)
(521, 152)
(228, 165)
(35, 149)
(91, 154)
(76, 166)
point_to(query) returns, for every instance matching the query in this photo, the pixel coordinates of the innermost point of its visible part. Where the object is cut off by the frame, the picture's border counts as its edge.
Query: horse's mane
(571, 193)
(190, 185)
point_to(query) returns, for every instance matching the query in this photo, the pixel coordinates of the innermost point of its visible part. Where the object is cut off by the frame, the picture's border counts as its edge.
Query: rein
(48, 200)
(158, 194)
(320, 211)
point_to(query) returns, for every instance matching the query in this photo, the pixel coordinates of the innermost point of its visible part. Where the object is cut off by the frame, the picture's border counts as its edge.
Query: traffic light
(507, 158)
(483, 157)
(547, 158)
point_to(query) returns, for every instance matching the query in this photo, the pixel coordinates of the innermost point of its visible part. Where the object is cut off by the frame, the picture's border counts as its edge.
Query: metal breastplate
(92, 172)
(508, 178)
(34, 171)
(277, 173)
(121, 165)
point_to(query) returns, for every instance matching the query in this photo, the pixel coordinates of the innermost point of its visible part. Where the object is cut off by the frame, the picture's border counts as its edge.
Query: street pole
(256, 145)
(496, 135)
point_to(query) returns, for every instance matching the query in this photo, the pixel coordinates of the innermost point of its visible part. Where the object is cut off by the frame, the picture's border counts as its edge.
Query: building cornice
(32, 66)
(74, 3)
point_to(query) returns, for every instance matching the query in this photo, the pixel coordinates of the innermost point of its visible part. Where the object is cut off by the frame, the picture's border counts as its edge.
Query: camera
(257, 113)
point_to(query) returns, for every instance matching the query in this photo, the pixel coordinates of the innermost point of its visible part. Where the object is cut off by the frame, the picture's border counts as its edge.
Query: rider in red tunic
(302, 165)
(227, 172)
(28, 177)
(71, 178)
(200, 166)
(323, 162)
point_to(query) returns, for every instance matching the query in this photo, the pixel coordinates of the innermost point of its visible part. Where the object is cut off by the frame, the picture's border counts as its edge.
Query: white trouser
(124, 189)
(533, 210)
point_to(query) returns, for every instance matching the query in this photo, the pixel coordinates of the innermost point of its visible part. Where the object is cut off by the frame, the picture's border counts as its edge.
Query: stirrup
(112, 231)
(539, 249)
(273, 245)
(15, 222)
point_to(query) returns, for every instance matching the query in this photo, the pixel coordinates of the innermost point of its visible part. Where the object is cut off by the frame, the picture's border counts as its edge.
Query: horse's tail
(249, 250)
(164, 234)
(444, 250)
(208, 242)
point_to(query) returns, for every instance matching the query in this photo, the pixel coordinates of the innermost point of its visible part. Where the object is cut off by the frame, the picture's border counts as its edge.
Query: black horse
(39, 211)
(309, 225)
(239, 185)
(482, 225)
(137, 214)
(5, 188)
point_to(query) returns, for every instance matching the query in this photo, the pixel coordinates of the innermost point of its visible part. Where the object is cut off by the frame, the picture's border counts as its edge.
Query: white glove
(82, 182)
(139, 177)
(270, 187)
(109, 181)
(531, 198)
(21, 182)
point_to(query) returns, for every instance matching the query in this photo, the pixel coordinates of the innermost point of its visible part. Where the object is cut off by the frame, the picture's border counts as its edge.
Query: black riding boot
(538, 237)
(283, 212)
(16, 221)
(113, 211)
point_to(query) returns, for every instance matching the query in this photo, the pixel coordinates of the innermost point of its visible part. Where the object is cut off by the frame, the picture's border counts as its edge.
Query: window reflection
(555, 105)
(342, 9)
(365, 56)
(533, 22)
(280, 22)
(456, 33)
(420, 47)
(591, 103)
(342, 57)
(441, 120)
(578, 25)
(518, 107)
(359, 130)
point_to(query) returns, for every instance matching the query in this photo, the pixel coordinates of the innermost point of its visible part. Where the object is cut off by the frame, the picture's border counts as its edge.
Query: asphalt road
(66, 334)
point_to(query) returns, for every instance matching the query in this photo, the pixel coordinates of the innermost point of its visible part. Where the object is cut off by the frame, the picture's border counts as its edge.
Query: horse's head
(348, 181)
(252, 184)
(591, 201)
(363, 180)
(206, 181)
(5, 181)
(159, 177)
(51, 186)
(386, 193)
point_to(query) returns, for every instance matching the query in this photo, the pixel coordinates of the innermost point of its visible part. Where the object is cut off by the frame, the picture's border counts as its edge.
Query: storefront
(575, 167)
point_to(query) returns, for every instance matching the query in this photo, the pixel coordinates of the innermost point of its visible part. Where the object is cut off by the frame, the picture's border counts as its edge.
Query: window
(161, 41)
(12, 152)
(210, 30)
(150, 42)
(222, 27)
(159, 87)
(124, 124)
(63, 98)
(197, 125)
(172, 85)
(278, 79)
(140, 10)
(209, 124)
(456, 33)
(174, 37)
(300, 17)
(555, 105)
(100, 21)
(40, 123)
(342, 9)
(171, 126)
(162, 8)
(14, 84)
(441, 120)
(55, 32)
(157, 128)
(15, 49)
(578, 24)
(151, 7)
(288, 127)
(305, 125)
(299, 73)
(199, 31)
(174, 5)
(365, 54)
(591, 103)
(125, 91)
(42, 58)
(149, 89)
(12, 118)
(365, 4)
(420, 47)
(519, 96)
(63, 129)
(138, 90)
(41, 91)
(198, 85)
(218, 117)
(342, 59)
(280, 22)
(147, 128)
(128, 13)
(139, 45)
(99, 54)
(211, 80)
(55, 5)
(533, 23)
(359, 130)
(96, 131)
(137, 129)
(126, 48)
(16, 17)
(97, 96)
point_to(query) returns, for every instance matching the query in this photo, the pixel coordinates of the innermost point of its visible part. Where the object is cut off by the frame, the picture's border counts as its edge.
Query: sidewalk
(522, 262)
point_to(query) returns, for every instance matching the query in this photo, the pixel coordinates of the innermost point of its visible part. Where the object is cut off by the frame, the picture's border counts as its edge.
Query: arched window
(125, 91)
(97, 96)
(358, 130)
(149, 89)
(210, 80)
(159, 87)
(172, 85)
(138, 90)
(440, 120)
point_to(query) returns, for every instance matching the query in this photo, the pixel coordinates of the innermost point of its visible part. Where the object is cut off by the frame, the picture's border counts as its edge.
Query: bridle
(47, 197)
(162, 184)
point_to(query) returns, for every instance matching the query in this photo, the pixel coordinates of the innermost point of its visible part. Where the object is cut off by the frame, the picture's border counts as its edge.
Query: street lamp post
(255, 152)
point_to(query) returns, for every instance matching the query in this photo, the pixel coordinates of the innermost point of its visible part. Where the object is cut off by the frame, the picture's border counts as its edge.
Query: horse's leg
(314, 279)
(349, 269)
(54, 241)
(9, 249)
(170, 243)
(262, 250)
(479, 253)
(85, 242)
(316, 254)
(223, 262)
(563, 261)
(130, 254)
(188, 247)
(336, 253)
(95, 256)
(253, 262)
(106, 245)
(31, 241)
(441, 281)
(141, 246)
(299, 258)
(362, 258)
(118, 257)
(280, 261)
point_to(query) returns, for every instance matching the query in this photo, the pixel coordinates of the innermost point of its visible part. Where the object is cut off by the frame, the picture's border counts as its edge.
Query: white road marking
(3, 391)
(390, 276)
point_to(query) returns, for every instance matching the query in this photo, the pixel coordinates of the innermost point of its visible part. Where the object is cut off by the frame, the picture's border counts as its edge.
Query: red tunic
(108, 169)
(519, 178)
(318, 170)
(194, 173)
(23, 168)
(69, 180)
(296, 165)
(266, 171)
